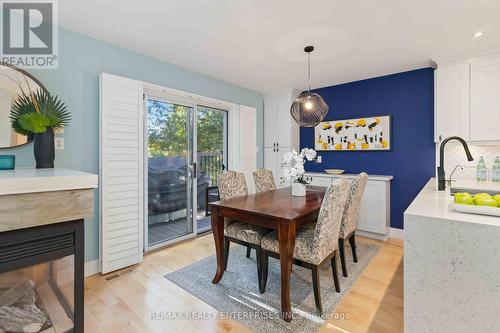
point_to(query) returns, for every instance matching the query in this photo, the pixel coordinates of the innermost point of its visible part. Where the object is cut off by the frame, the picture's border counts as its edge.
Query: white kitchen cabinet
(452, 101)
(270, 158)
(270, 137)
(285, 126)
(467, 98)
(374, 215)
(280, 130)
(272, 161)
(485, 98)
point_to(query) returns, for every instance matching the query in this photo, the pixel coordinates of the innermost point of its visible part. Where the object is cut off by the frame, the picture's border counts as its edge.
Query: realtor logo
(29, 33)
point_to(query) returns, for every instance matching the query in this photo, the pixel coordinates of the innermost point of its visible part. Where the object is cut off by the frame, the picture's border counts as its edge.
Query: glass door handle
(194, 170)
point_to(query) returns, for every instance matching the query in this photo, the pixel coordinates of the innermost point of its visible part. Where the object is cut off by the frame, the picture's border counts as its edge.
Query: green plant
(35, 112)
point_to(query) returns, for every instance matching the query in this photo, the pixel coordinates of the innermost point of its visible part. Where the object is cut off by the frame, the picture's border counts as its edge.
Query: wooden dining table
(275, 210)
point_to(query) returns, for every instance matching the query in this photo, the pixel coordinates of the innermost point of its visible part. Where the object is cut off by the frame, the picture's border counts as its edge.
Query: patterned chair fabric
(264, 180)
(315, 242)
(232, 184)
(351, 212)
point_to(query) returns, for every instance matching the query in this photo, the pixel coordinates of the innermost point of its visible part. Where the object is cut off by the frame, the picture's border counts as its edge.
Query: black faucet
(440, 168)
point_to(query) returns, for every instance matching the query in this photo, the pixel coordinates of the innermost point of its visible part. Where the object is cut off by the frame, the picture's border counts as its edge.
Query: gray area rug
(237, 294)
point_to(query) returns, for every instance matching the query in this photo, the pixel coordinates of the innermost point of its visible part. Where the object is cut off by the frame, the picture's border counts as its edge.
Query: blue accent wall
(76, 81)
(409, 98)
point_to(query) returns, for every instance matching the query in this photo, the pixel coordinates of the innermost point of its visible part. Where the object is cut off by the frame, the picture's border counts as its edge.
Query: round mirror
(13, 82)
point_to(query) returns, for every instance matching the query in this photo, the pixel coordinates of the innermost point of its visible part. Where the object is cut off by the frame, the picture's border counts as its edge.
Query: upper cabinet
(485, 98)
(270, 137)
(452, 101)
(280, 130)
(467, 99)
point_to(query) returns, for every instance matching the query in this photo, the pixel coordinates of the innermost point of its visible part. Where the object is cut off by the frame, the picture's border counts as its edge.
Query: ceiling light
(478, 34)
(309, 109)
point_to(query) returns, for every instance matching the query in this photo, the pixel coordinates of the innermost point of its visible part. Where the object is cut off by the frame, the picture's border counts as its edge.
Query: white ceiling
(258, 44)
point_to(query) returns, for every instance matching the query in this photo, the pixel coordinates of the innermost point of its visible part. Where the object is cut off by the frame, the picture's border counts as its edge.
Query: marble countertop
(436, 204)
(350, 175)
(31, 180)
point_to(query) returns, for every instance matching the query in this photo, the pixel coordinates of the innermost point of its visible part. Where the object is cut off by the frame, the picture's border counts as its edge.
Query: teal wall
(81, 60)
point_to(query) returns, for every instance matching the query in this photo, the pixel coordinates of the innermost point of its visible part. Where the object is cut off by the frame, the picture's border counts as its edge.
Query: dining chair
(316, 243)
(232, 184)
(264, 180)
(350, 218)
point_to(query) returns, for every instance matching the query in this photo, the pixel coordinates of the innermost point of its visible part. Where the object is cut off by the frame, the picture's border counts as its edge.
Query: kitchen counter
(451, 266)
(436, 204)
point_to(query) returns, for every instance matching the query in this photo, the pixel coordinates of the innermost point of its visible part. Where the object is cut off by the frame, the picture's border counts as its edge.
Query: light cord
(309, 72)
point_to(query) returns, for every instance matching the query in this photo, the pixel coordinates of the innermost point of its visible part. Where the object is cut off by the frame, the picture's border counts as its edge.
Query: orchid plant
(293, 165)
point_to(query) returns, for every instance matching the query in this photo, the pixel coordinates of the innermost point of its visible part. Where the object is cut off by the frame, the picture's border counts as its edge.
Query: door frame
(194, 185)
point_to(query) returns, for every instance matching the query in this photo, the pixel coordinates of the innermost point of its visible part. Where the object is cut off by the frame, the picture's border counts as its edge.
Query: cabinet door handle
(277, 149)
(440, 137)
(274, 144)
(277, 144)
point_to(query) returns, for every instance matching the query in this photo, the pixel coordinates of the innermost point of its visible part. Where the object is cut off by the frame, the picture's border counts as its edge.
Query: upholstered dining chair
(232, 184)
(315, 243)
(264, 180)
(350, 218)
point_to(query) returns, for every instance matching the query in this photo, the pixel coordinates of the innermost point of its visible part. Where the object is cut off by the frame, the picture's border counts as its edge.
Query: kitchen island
(451, 266)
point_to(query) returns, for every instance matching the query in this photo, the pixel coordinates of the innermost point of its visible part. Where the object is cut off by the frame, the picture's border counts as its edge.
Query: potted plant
(293, 169)
(38, 114)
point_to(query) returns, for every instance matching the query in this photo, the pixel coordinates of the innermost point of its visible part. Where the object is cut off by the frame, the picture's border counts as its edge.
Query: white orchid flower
(293, 164)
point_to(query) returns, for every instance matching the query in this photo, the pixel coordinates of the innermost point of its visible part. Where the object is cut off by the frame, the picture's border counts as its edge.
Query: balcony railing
(212, 163)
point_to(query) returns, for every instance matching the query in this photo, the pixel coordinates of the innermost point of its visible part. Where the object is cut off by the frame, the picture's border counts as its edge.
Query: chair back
(232, 184)
(330, 217)
(264, 180)
(351, 212)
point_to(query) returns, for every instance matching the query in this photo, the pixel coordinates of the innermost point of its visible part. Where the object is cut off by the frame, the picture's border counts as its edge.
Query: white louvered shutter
(248, 144)
(121, 172)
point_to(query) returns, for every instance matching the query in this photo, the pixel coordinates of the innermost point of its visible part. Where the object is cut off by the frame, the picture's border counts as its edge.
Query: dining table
(275, 210)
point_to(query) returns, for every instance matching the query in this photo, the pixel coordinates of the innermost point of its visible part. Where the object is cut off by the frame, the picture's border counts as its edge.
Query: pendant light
(309, 109)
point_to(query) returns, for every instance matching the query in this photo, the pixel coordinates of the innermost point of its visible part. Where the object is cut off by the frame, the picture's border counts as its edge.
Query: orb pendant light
(309, 109)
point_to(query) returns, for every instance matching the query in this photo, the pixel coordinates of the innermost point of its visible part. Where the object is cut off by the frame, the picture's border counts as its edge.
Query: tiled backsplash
(455, 155)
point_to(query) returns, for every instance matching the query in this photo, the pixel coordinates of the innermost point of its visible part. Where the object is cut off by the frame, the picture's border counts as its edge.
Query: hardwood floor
(129, 303)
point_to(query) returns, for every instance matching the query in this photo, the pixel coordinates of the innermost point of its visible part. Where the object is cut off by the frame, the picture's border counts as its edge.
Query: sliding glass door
(186, 151)
(170, 167)
(211, 159)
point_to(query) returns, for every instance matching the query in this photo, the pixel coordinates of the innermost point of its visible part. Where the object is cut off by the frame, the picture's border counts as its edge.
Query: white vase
(298, 189)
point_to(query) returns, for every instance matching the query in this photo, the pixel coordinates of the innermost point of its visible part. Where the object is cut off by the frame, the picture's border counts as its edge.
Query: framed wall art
(360, 134)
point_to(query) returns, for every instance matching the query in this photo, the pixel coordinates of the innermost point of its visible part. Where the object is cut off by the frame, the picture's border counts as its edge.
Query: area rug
(237, 295)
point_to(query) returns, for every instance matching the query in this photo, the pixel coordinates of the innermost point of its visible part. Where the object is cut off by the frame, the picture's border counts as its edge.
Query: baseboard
(373, 235)
(91, 267)
(397, 233)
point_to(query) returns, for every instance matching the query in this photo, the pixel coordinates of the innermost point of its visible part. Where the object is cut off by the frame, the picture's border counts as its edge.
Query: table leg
(286, 237)
(218, 231)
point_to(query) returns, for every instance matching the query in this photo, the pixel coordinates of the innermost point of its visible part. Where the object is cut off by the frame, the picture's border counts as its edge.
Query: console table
(375, 212)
